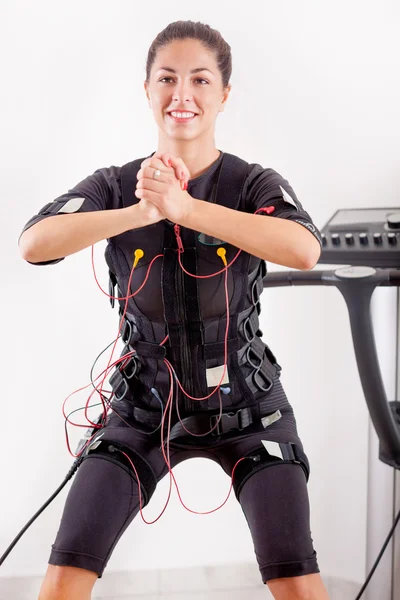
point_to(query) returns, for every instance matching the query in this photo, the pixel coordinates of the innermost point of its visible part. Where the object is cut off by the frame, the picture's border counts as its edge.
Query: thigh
(102, 501)
(104, 498)
(275, 503)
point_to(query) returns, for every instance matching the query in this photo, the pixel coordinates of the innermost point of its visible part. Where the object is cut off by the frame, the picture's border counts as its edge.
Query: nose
(182, 92)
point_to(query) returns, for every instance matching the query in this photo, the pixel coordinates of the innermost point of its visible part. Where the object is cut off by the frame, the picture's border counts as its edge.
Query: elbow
(310, 259)
(27, 248)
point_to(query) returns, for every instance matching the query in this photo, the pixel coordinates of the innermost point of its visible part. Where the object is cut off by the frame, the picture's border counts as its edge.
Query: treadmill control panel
(362, 236)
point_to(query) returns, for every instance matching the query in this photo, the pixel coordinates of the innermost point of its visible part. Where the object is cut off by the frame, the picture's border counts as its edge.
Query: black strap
(261, 458)
(143, 349)
(217, 349)
(201, 423)
(129, 181)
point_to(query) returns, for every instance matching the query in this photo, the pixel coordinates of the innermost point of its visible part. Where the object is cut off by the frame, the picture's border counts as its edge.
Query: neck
(197, 155)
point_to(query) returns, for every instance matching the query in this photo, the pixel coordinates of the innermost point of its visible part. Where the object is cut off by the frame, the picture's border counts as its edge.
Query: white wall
(315, 96)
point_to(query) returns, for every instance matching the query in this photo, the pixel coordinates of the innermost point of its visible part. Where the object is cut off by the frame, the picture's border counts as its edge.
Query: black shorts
(103, 499)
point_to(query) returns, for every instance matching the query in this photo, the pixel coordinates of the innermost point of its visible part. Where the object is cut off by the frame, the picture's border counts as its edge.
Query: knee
(67, 583)
(303, 587)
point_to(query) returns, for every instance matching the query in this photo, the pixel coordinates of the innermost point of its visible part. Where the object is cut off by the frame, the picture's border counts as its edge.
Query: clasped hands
(164, 197)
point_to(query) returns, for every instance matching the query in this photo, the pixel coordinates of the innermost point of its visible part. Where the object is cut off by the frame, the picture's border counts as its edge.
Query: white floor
(263, 594)
(227, 582)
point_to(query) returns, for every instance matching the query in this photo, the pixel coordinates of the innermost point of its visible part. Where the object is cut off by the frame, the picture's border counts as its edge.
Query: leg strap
(270, 454)
(108, 450)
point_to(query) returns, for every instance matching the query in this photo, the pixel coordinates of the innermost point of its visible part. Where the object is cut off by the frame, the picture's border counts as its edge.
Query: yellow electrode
(222, 253)
(138, 255)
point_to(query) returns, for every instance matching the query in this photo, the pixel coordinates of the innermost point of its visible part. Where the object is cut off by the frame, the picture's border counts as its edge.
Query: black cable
(94, 364)
(107, 400)
(21, 533)
(70, 474)
(391, 532)
(102, 396)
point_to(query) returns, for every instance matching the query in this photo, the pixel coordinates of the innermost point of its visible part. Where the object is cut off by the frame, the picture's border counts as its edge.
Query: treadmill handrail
(357, 293)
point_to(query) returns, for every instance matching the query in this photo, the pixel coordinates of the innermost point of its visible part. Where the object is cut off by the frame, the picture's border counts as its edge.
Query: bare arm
(61, 235)
(280, 241)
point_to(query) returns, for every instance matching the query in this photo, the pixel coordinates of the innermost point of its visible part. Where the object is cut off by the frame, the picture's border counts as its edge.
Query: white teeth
(182, 115)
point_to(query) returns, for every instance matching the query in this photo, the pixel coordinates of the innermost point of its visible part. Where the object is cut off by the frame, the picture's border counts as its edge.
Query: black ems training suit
(258, 421)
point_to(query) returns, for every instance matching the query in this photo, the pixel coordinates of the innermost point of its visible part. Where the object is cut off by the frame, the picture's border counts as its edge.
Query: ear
(225, 97)
(146, 89)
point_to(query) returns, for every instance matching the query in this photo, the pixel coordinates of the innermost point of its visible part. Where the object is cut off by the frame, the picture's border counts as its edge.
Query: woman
(195, 319)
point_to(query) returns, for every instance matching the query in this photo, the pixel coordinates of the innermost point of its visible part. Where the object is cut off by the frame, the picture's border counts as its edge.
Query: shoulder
(104, 183)
(256, 173)
(259, 175)
(107, 176)
(109, 180)
(266, 183)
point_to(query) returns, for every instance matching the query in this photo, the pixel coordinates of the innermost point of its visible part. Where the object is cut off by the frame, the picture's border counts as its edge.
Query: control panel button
(363, 237)
(394, 221)
(335, 237)
(349, 237)
(378, 238)
(392, 239)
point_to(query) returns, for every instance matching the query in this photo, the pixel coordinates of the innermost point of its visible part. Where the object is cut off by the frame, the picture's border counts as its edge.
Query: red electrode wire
(109, 367)
(169, 405)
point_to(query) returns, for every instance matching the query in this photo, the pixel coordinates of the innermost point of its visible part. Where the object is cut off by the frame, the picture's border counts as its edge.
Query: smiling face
(185, 78)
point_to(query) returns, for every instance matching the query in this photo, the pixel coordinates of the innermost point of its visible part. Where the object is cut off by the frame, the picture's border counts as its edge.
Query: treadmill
(367, 242)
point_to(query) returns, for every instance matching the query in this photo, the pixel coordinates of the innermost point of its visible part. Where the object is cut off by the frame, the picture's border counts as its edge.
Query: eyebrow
(192, 71)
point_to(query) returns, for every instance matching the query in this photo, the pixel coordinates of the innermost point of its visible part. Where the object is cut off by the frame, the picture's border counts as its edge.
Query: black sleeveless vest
(190, 311)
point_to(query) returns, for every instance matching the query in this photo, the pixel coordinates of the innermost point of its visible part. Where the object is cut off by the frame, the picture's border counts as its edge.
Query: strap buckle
(130, 367)
(112, 284)
(117, 381)
(248, 329)
(126, 331)
(227, 422)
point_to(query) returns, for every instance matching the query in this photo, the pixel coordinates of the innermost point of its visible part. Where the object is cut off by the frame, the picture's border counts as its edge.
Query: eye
(170, 79)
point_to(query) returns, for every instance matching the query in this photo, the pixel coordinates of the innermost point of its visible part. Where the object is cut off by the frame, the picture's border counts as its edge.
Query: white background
(315, 96)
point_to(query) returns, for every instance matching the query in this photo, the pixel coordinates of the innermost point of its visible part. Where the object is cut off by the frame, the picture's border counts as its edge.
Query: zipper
(184, 353)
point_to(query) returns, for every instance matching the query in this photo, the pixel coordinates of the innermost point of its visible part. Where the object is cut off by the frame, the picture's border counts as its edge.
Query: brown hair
(211, 38)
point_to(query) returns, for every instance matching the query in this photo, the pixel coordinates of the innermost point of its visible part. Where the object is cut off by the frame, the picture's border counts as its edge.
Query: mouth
(181, 117)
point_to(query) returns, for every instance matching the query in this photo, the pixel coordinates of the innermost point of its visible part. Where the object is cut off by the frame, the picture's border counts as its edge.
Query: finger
(177, 163)
(154, 162)
(149, 169)
(181, 170)
(165, 157)
(164, 176)
(150, 184)
(149, 196)
(149, 173)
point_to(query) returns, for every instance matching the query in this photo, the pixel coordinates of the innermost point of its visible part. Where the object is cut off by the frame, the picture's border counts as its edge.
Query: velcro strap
(201, 423)
(129, 336)
(149, 350)
(260, 459)
(217, 349)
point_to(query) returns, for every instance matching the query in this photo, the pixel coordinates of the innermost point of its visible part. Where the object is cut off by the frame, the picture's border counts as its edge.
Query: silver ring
(156, 174)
